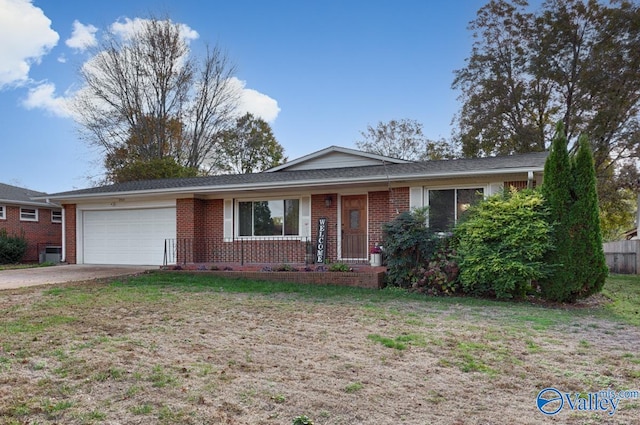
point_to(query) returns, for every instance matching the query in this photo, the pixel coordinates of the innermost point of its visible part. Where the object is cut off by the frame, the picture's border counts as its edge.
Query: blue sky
(318, 71)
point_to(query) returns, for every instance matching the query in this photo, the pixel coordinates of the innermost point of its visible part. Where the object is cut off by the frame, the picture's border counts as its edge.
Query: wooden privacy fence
(623, 256)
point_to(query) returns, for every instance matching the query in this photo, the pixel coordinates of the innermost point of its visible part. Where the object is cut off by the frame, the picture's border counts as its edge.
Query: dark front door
(354, 226)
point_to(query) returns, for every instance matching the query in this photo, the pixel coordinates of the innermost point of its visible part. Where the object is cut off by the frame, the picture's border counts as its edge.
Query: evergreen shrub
(12, 248)
(408, 245)
(502, 244)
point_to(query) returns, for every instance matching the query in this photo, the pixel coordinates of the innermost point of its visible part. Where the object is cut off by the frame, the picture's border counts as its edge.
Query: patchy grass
(624, 292)
(183, 349)
(25, 266)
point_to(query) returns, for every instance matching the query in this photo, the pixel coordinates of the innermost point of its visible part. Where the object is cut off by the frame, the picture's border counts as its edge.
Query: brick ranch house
(328, 205)
(39, 221)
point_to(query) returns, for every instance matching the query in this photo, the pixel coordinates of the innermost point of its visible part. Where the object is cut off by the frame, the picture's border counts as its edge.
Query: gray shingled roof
(429, 169)
(20, 195)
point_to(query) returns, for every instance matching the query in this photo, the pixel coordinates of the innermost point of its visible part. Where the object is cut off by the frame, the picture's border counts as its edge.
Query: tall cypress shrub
(561, 285)
(588, 266)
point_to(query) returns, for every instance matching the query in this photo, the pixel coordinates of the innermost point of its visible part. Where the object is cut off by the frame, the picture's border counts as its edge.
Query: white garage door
(127, 236)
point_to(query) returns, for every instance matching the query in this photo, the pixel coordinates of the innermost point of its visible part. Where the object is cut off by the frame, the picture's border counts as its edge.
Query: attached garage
(126, 236)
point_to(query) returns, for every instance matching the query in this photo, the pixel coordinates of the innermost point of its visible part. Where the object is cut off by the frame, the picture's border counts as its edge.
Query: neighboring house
(342, 195)
(39, 221)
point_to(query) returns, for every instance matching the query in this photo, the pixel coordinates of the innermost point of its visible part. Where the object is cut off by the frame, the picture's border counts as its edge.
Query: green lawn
(624, 293)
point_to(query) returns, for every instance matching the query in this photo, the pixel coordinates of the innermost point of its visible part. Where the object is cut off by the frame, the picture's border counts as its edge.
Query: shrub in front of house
(440, 275)
(409, 244)
(502, 243)
(12, 248)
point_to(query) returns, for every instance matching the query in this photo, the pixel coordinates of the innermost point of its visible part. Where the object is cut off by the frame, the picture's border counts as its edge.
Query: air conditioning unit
(52, 254)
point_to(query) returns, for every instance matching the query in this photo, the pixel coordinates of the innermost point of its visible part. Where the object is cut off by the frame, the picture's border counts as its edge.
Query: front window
(446, 206)
(269, 218)
(3, 214)
(28, 214)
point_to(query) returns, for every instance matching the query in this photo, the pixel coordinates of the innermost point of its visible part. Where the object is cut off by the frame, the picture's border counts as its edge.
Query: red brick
(37, 233)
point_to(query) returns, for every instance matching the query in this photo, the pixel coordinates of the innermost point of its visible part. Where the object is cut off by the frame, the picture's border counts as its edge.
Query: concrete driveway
(10, 279)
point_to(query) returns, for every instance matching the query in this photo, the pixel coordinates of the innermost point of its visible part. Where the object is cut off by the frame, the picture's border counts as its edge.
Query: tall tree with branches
(250, 146)
(403, 139)
(144, 91)
(575, 61)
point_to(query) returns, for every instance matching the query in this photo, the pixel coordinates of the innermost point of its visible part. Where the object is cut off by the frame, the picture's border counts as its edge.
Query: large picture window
(269, 218)
(446, 206)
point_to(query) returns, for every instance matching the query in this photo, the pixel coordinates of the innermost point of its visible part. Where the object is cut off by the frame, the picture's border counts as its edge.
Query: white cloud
(43, 97)
(128, 27)
(31, 38)
(82, 37)
(258, 104)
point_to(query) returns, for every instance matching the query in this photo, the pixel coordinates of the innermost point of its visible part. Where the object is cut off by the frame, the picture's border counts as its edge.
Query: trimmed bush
(408, 245)
(12, 248)
(502, 244)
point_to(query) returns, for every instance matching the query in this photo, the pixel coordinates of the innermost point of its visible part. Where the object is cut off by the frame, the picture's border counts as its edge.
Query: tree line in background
(155, 111)
(572, 61)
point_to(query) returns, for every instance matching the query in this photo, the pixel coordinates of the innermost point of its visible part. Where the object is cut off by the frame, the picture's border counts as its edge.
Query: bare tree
(403, 139)
(136, 86)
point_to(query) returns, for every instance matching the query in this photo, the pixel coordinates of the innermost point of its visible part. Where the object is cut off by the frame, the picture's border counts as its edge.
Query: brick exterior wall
(319, 209)
(37, 233)
(378, 215)
(384, 206)
(199, 230)
(200, 224)
(70, 233)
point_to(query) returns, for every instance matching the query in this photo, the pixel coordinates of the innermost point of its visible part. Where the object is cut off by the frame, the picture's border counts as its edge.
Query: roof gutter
(46, 204)
(288, 184)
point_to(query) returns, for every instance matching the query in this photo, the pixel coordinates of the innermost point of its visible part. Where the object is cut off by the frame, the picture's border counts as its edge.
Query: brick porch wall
(38, 232)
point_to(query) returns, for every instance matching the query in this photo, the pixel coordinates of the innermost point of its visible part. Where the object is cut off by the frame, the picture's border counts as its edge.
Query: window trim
(35, 214)
(3, 212)
(455, 188)
(236, 218)
(56, 220)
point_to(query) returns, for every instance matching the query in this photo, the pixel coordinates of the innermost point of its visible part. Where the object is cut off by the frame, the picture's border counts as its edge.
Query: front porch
(270, 259)
(256, 253)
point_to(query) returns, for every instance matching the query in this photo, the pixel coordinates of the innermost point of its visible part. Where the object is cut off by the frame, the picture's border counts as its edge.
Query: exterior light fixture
(328, 201)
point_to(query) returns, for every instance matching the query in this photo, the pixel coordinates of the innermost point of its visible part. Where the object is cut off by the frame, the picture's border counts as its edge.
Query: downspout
(530, 180)
(64, 235)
